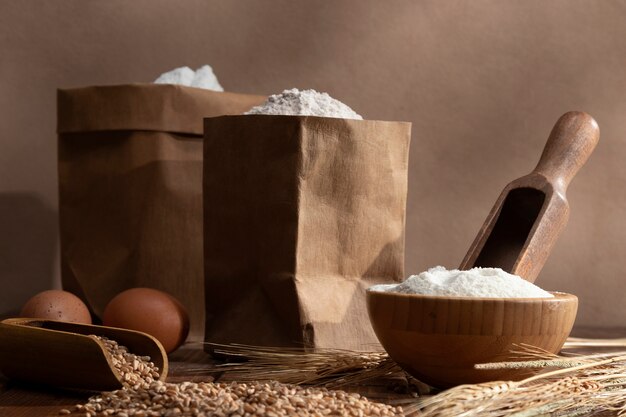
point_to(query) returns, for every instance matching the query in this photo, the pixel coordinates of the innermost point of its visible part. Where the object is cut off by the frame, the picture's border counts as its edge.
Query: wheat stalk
(327, 367)
(576, 342)
(581, 384)
(597, 383)
(536, 364)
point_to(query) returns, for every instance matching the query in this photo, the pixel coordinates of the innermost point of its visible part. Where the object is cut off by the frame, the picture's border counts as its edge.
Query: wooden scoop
(531, 212)
(67, 355)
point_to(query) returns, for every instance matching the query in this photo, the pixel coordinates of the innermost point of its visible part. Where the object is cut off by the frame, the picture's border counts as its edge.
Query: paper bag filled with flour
(301, 215)
(130, 190)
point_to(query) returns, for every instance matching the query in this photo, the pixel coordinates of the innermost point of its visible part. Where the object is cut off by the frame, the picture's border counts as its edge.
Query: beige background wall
(482, 81)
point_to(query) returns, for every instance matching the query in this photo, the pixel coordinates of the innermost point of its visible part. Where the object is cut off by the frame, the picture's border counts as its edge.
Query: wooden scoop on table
(67, 355)
(531, 212)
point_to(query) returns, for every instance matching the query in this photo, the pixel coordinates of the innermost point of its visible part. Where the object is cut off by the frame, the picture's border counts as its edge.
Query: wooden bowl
(439, 339)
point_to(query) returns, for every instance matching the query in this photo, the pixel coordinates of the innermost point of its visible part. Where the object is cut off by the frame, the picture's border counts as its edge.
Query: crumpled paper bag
(130, 190)
(301, 215)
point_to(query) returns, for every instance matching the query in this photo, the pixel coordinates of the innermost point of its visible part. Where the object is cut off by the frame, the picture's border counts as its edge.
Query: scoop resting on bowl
(439, 339)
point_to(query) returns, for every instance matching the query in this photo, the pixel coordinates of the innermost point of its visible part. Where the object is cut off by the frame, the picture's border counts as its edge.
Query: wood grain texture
(531, 212)
(64, 355)
(20, 399)
(191, 363)
(440, 339)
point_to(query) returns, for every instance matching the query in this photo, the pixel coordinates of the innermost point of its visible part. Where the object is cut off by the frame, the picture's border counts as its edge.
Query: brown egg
(150, 311)
(57, 305)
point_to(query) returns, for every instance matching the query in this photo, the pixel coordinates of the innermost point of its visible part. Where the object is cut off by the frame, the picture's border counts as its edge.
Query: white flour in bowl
(476, 282)
(305, 103)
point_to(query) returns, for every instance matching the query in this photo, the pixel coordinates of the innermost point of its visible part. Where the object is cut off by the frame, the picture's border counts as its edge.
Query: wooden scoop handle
(571, 141)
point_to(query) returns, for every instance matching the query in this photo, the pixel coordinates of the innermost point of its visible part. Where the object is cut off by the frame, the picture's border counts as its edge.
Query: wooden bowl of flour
(439, 339)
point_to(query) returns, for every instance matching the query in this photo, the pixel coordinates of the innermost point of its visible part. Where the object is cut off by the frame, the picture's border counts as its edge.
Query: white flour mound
(203, 77)
(305, 103)
(476, 282)
(182, 76)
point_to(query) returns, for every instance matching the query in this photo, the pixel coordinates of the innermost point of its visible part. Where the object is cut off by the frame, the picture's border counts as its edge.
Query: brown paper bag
(130, 190)
(301, 215)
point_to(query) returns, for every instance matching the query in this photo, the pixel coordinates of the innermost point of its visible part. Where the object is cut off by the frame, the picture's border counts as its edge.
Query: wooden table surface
(191, 363)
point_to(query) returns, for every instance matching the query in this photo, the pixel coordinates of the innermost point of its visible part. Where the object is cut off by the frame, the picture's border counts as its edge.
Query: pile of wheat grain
(144, 396)
(135, 370)
(189, 399)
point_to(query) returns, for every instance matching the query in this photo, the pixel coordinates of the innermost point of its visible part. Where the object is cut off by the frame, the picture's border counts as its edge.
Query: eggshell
(57, 305)
(150, 311)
